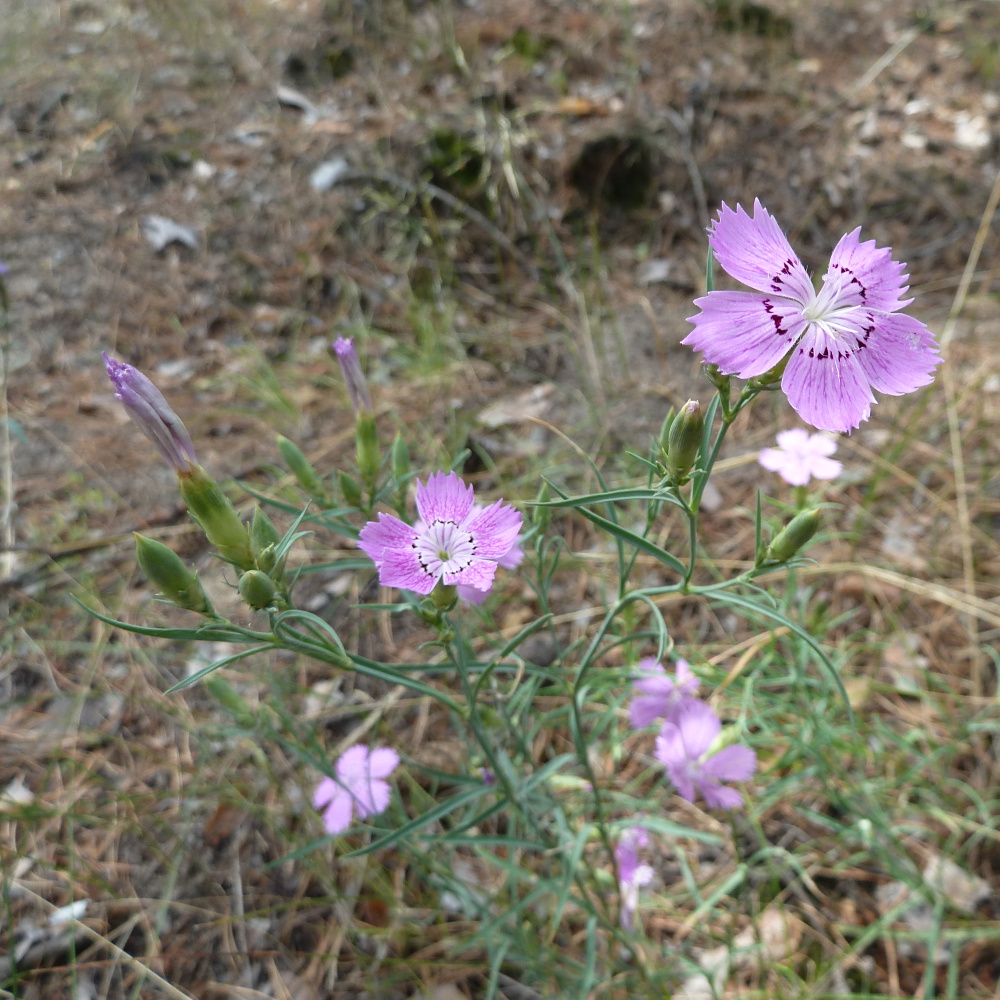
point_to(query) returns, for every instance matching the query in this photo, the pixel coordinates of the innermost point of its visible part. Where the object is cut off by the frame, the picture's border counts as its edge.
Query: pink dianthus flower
(682, 747)
(801, 456)
(840, 342)
(632, 876)
(359, 786)
(661, 696)
(453, 542)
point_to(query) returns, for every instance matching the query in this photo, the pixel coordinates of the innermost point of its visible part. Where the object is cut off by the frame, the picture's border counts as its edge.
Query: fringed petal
(744, 333)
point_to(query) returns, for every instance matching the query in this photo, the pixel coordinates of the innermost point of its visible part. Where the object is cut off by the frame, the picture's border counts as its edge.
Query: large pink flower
(841, 341)
(360, 786)
(454, 541)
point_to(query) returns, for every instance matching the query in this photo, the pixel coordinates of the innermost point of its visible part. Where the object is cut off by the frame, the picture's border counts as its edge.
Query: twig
(119, 953)
(886, 59)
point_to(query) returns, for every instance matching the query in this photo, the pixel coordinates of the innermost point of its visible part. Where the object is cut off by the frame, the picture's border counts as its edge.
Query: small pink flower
(840, 342)
(632, 876)
(682, 747)
(661, 695)
(359, 786)
(801, 455)
(453, 542)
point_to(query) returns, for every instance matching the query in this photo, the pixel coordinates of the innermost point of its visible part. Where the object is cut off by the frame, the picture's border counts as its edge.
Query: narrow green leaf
(446, 807)
(638, 541)
(224, 662)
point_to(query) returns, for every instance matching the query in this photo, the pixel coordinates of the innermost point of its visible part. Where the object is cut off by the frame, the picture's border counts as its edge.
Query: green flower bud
(225, 694)
(400, 458)
(267, 559)
(366, 441)
(684, 439)
(166, 570)
(664, 437)
(256, 589)
(211, 508)
(350, 489)
(305, 475)
(794, 535)
(263, 534)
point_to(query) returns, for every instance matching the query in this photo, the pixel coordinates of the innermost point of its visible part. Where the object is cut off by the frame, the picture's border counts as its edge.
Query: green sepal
(368, 455)
(211, 508)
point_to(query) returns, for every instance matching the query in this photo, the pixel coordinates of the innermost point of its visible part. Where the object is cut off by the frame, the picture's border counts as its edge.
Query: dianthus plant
(547, 719)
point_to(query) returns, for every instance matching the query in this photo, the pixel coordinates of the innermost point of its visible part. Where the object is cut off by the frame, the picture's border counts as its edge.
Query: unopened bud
(211, 508)
(305, 475)
(684, 439)
(794, 535)
(256, 589)
(166, 570)
(354, 377)
(267, 559)
(263, 535)
(400, 458)
(350, 488)
(153, 415)
(226, 695)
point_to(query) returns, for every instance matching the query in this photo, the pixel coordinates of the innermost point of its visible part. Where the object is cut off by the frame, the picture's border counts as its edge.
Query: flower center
(443, 548)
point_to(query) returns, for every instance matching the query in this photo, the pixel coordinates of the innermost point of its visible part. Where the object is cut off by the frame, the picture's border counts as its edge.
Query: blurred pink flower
(840, 342)
(632, 876)
(453, 542)
(661, 696)
(801, 455)
(359, 786)
(682, 747)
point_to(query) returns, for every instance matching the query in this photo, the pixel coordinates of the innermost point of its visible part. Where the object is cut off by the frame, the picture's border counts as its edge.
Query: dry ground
(521, 228)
